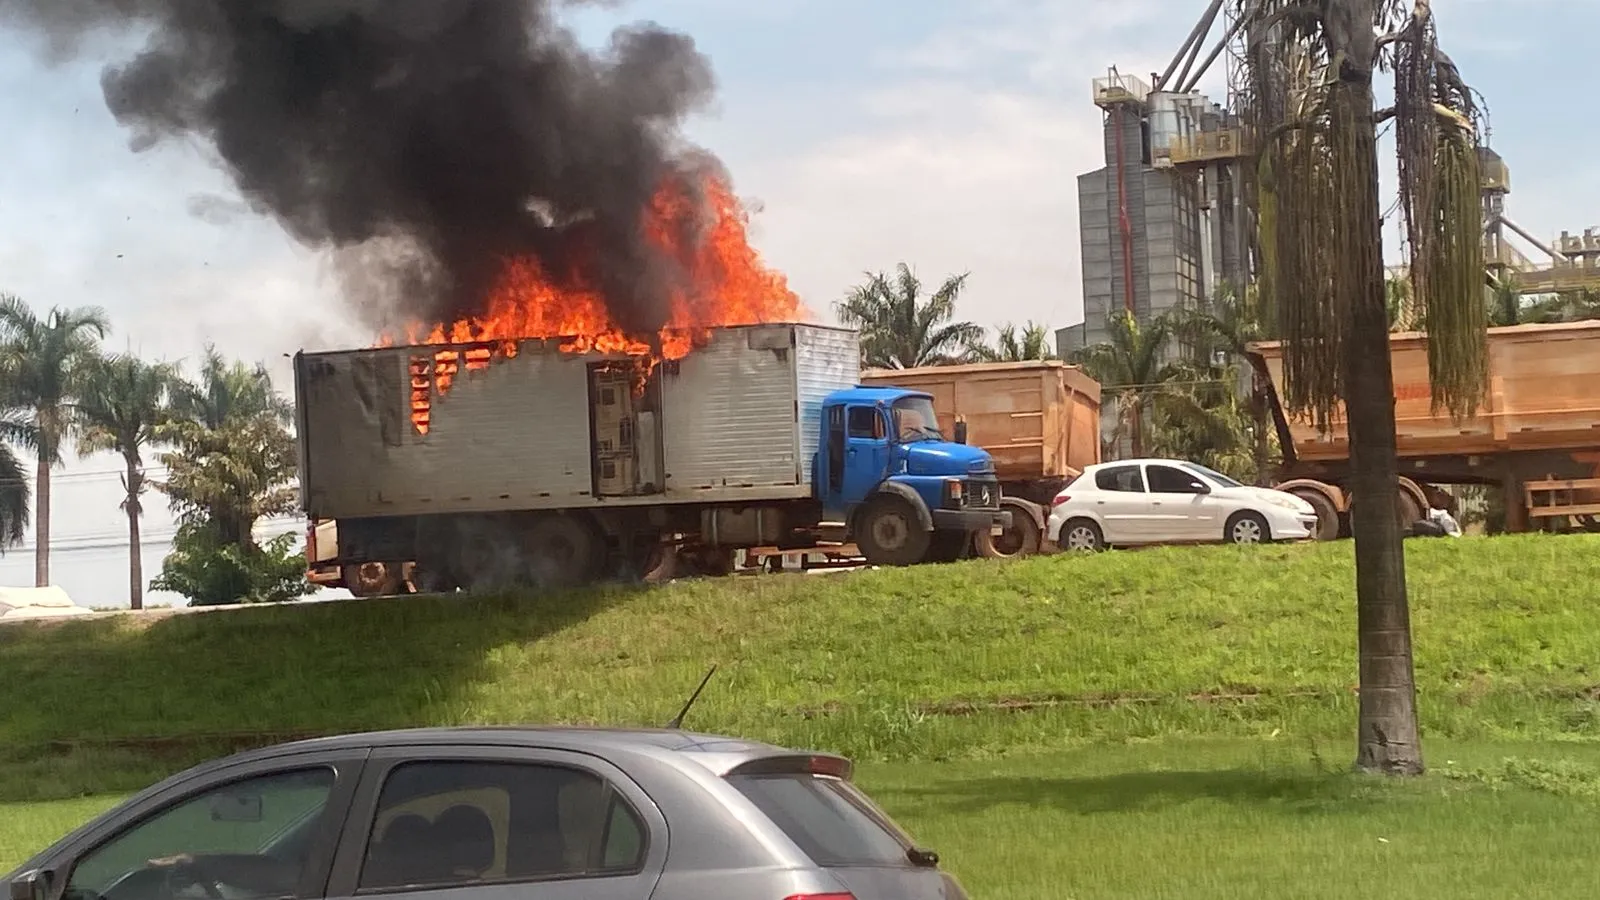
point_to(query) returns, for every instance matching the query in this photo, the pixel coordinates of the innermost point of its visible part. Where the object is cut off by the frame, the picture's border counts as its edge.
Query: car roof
(719, 753)
(1134, 462)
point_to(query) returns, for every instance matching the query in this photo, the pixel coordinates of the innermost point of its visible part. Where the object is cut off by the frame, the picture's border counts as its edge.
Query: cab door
(866, 456)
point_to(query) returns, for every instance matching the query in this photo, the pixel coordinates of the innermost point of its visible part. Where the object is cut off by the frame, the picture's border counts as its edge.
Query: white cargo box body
(738, 419)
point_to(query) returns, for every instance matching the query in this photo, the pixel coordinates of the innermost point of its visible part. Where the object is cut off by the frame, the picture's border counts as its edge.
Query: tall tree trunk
(1388, 739)
(41, 528)
(135, 483)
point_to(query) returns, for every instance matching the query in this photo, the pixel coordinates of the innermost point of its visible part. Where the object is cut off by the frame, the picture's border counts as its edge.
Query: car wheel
(1247, 528)
(1082, 536)
(888, 533)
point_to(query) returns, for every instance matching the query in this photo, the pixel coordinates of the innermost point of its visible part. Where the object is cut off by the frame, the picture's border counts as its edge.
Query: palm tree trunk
(41, 529)
(1387, 739)
(135, 560)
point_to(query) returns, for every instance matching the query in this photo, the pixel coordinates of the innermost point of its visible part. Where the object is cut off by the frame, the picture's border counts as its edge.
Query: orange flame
(726, 284)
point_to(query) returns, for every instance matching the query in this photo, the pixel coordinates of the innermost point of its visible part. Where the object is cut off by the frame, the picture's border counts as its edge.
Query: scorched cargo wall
(738, 422)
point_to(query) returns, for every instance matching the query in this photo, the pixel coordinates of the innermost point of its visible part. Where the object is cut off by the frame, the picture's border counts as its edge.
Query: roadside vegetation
(1137, 706)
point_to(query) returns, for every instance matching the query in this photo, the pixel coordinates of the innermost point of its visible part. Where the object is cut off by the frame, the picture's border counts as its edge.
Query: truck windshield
(914, 420)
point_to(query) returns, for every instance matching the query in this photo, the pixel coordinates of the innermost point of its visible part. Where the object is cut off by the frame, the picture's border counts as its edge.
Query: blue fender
(909, 494)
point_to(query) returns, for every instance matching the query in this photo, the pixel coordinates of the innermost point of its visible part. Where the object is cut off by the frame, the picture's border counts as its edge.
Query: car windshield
(1212, 474)
(915, 420)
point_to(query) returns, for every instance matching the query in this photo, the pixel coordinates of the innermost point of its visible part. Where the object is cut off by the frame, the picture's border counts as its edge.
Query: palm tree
(1231, 322)
(124, 404)
(229, 392)
(234, 452)
(1033, 342)
(901, 327)
(41, 361)
(14, 498)
(1311, 71)
(1131, 367)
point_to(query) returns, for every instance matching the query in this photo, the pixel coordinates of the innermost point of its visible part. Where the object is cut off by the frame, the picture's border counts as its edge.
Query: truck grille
(983, 494)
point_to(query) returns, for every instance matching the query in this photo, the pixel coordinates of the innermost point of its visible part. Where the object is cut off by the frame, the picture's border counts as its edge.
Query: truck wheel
(1082, 536)
(889, 534)
(1017, 541)
(1247, 528)
(1406, 508)
(372, 579)
(1327, 514)
(563, 551)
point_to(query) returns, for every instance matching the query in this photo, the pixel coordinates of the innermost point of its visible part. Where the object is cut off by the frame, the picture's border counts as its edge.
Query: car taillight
(844, 896)
(1060, 499)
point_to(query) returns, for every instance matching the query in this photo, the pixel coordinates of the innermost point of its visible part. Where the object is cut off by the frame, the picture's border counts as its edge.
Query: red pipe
(1122, 213)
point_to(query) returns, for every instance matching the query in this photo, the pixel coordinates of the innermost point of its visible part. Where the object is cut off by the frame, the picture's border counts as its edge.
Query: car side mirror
(961, 432)
(1200, 487)
(31, 885)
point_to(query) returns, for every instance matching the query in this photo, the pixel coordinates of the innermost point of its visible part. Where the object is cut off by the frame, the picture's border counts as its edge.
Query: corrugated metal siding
(829, 360)
(512, 435)
(728, 413)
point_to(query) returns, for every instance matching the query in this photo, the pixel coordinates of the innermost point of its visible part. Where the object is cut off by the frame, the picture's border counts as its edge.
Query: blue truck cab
(907, 493)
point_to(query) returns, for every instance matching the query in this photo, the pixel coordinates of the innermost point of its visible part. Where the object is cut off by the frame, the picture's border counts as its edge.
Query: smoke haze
(420, 141)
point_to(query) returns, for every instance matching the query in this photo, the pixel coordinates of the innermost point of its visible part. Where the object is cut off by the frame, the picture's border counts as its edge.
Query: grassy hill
(935, 662)
(1187, 713)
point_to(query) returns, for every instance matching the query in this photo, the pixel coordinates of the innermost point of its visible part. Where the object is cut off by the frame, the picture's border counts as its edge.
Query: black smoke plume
(422, 140)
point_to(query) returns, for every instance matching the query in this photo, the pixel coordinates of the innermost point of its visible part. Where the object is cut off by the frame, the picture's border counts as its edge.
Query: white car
(1165, 501)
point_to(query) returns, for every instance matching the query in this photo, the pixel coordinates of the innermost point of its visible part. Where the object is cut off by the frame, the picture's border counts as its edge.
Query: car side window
(865, 422)
(242, 840)
(1125, 479)
(1167, 480)
(453, 823)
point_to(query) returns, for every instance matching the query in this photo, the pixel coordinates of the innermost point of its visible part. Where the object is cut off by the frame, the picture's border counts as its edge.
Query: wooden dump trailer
(1039, 419)
(1536, 434)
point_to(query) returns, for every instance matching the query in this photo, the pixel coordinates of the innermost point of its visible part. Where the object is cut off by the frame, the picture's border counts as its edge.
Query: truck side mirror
(961, 432)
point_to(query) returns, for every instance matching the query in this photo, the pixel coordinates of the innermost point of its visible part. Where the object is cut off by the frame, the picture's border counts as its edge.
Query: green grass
(1166, 723)
(1201, 820)
(1194, 820)
(966, 661)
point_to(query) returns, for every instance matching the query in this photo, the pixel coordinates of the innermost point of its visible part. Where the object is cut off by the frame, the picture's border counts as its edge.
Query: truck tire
(889, 534)
(372, 579)
(1019, 540)
(563, 551)
(1247, 528)
(1327, 513)
(1407, 509)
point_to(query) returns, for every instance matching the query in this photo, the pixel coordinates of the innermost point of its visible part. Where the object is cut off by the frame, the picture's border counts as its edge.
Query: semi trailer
(522, 462)
(1536, 434)
(1038, 419)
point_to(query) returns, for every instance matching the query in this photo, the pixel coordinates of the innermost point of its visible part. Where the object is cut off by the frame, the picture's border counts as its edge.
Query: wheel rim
(1081, 537)
(1247, 531)
(371, 575)
(1009, 543)
(891, 532)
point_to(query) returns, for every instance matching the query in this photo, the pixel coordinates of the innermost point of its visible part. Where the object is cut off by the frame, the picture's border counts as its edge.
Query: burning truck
(524, 462)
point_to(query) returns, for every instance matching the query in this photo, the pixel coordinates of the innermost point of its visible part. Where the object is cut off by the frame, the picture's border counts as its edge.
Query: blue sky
(946, 133)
